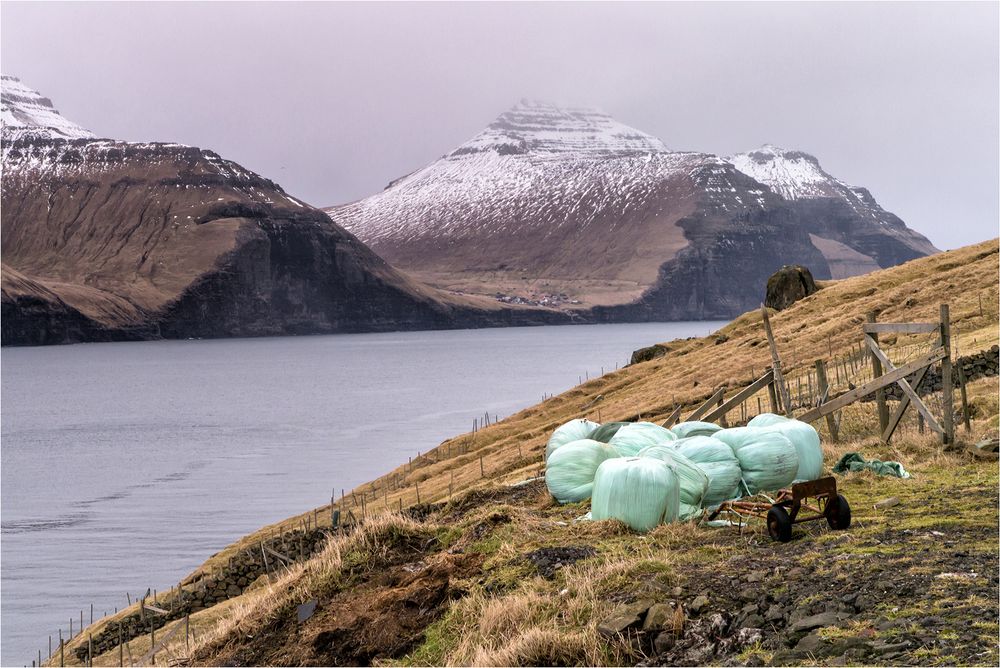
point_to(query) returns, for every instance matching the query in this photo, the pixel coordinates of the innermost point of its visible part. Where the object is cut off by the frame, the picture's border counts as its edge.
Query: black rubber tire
(779, 524)
(838, 513)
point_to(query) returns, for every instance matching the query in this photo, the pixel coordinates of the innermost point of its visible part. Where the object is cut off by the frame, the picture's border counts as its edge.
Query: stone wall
(981, 365)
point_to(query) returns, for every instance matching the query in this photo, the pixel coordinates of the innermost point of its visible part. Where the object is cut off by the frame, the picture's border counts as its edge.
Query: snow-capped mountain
(792, 174)
(25, 110)
(569, 207)
(110, 240)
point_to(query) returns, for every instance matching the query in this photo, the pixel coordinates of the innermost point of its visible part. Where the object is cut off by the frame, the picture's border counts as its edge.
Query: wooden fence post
(883, 408)
(947, 398)
(779, 379)
(965, 398)
(823, 388)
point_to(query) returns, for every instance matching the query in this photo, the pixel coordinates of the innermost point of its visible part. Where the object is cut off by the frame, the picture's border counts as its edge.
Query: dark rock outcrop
(788, 285)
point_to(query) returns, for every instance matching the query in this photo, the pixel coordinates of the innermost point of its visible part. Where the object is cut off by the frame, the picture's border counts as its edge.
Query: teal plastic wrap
(570, 471)
(766, 420)
(717, 461)
(606, 431)
(692, 480)
(634, 436)
(642, 492)
(768, 460)
(574, 430)
(695, 428)
(807, 445)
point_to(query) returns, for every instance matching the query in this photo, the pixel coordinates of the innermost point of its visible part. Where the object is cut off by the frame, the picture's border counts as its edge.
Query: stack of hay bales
(645, 475)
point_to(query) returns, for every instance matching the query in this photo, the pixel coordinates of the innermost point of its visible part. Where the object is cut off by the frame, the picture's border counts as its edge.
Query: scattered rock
(658, 617)
(698, 604)
(548, 560)
(649, 353)
(624, 618)
(809, 644)
(775, 613)
(818, 621)
(664, 642)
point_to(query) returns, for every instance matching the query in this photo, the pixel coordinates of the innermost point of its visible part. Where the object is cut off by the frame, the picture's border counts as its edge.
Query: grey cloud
(335, 100)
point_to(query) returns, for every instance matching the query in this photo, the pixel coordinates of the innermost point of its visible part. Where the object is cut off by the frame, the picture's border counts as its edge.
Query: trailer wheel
(779, 524)
(838, 513)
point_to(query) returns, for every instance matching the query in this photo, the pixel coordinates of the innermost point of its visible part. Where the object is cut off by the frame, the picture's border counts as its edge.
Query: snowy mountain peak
(539, 128)
(25, 110)
(791, 174)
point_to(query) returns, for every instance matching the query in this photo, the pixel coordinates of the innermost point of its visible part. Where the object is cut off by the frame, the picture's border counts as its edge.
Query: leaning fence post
(779, 379)
(823, 388)
(947, 398)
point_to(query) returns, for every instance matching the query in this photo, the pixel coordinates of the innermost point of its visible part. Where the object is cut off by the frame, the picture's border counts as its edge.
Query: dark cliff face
(723, 271)
(106, 241)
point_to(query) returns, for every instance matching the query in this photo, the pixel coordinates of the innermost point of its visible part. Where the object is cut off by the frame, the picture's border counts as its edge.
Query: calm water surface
(125, 465)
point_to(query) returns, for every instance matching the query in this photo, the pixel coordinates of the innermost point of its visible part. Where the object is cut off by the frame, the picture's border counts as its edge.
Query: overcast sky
(335, 100)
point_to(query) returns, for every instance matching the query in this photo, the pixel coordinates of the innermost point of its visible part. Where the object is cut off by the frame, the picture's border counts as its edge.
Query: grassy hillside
(482, 572)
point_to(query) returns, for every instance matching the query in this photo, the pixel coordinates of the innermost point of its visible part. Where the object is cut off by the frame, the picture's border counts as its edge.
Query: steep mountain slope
(109, 240)
(853, 232)
(573, 208)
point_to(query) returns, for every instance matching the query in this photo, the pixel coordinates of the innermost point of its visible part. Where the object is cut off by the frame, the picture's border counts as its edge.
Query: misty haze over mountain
(336, 100)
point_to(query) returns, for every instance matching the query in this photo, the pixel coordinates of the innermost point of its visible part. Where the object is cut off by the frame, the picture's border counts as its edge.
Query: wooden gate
(886, 374)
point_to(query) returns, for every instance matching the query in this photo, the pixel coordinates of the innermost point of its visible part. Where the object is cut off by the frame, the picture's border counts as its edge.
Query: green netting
(806, 442)
(695, 428)
(717, 461)
(768, 460)
(692, 480)
(573, 430)
(569, 472)
(643, 492)
(606, 431)
(634, 436)
(766, 420)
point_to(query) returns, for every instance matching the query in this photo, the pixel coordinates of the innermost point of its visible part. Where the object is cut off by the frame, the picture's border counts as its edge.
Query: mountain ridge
(111, 240)
(568, 203)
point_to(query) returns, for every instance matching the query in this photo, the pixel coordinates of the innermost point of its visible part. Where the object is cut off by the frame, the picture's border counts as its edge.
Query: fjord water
(125, 465)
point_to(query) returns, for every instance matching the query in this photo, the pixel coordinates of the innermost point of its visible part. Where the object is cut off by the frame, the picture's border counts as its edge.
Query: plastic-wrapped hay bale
(766, 420)
(717, 461)
(606, 431)
(694, 428)
(634, 436)
(806, 441)
(569, 472)
(574, 430)
(692, 480)
(768, 460)
(640, 491)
